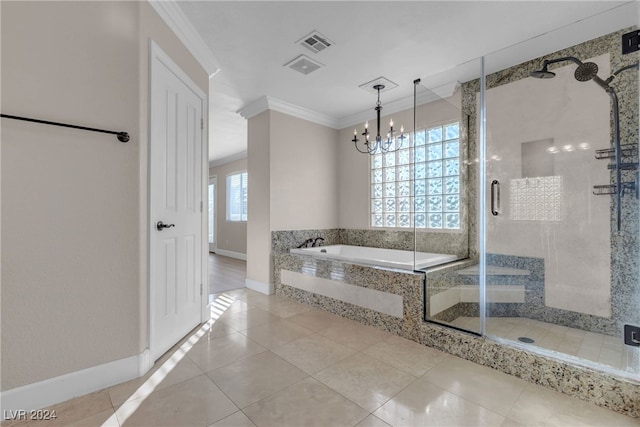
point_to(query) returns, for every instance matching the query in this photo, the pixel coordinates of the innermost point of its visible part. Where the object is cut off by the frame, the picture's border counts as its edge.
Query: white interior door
(176, 218)
(212, 193)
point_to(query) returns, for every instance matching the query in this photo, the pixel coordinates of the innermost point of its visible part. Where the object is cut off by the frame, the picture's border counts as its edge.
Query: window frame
(242, 216)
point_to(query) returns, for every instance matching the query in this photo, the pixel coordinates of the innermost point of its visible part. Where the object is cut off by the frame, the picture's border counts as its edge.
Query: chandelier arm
(358, 148)
(369, 150)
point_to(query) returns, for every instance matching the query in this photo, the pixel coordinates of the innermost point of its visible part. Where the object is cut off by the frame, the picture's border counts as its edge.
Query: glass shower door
(560, 276)
(445, 134)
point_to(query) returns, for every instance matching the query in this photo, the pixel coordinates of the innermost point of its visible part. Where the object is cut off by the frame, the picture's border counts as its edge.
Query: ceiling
(401, 41)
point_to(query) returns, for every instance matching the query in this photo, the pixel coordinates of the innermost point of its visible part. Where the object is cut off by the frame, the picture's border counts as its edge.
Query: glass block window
(419, 183)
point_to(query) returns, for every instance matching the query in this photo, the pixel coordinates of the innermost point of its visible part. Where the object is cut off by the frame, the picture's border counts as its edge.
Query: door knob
(161, 225)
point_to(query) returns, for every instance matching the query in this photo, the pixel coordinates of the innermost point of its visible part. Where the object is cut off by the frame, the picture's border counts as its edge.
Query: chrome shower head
(586, 71)
(543, 73)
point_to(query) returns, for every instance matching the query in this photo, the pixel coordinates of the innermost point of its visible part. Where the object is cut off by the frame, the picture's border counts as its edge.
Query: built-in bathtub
(390, 258)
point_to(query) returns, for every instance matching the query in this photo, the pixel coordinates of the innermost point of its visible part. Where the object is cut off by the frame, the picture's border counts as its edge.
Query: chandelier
(379, 145)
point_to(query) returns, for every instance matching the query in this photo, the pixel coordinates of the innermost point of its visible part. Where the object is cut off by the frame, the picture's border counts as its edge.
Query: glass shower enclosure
(548, 196)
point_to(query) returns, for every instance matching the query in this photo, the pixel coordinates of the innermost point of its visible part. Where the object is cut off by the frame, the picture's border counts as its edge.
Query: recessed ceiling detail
(370, 86)
(315, 42)
(303, 64)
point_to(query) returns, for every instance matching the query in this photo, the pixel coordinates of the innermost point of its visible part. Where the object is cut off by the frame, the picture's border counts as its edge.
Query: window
(418, 184)
(237, 197)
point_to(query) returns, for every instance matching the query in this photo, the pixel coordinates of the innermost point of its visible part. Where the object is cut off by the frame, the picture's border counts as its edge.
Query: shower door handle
(495, 197)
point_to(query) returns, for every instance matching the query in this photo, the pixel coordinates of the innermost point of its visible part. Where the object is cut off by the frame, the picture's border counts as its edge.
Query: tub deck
(379, 257)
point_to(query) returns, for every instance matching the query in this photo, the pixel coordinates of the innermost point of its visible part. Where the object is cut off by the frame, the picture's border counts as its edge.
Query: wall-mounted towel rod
(122, 136)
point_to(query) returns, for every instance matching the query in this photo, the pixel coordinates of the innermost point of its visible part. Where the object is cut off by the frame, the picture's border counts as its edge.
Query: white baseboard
(231, 254)
(265, 288)
(59, 389)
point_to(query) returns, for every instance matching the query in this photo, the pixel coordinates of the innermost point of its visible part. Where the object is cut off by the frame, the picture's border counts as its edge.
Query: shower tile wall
(624, 246)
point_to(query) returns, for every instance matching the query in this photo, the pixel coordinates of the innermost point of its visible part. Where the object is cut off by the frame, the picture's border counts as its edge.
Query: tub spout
(307, 244)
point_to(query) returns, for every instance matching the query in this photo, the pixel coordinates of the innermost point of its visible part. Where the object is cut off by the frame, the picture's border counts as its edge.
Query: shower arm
(603, 84)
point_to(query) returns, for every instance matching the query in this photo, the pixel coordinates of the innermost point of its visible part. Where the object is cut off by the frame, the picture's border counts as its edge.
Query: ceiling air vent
(303, 64)
(315, 42)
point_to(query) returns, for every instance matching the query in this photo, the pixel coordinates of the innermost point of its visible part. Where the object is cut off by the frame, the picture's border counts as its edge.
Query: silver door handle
(495, 197)
(161, 225)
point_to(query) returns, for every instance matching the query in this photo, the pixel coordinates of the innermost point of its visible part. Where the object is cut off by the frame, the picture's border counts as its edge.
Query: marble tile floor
(600, 348)
(269, 361)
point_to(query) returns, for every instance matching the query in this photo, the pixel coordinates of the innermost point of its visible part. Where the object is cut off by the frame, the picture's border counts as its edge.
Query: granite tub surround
(282, 241)
(365, 282)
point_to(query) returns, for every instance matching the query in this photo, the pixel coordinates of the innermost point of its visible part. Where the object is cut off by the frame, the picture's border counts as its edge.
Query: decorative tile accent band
(389, 304)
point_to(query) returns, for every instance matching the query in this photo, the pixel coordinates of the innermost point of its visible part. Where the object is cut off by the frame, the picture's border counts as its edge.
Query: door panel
(169, 279)
(176, 190)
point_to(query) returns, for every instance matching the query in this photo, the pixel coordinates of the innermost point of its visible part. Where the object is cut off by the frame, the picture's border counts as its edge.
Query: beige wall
(353, 166)
(230, 235)
(258, 217)
(293, 183)
(74, 204)
(304, 179)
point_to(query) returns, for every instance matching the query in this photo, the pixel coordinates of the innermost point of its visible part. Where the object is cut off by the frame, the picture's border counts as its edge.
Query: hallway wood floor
(226, 273)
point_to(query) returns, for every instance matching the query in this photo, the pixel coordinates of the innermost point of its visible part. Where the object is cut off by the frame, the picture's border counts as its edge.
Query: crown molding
(402, 104)
(178, 22)
(254, 108)
(267, 103)
(228, 159)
